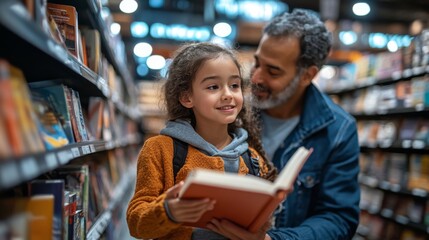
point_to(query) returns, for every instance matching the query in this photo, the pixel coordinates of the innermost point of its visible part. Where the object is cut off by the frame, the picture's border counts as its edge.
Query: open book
(245, 200)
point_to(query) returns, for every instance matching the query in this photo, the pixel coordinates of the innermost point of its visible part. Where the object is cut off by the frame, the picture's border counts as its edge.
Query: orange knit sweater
(146, 215)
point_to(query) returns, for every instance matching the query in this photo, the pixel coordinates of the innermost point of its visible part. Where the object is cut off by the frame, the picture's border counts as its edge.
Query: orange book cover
(40, 212)
(67, 21)
(8, 112)
(248, 201)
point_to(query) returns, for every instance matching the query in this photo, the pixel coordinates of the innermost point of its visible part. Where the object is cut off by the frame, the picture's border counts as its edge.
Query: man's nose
(256, 76)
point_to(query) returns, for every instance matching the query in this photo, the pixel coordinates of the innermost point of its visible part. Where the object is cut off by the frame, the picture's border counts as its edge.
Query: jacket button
(310, 180)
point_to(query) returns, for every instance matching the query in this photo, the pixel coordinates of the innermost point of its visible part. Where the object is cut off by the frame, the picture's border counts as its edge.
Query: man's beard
(280, 98)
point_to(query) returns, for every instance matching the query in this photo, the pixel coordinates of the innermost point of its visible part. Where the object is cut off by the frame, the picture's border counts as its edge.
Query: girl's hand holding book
(186, 210)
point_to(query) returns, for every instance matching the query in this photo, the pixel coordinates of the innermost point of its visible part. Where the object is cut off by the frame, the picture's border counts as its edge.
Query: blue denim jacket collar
(316, 114)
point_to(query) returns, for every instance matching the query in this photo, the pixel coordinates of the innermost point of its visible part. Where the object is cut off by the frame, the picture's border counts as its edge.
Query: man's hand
(186, 210)
(234, 232)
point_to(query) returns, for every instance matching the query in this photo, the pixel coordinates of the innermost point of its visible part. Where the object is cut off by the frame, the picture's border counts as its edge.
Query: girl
(204, 99)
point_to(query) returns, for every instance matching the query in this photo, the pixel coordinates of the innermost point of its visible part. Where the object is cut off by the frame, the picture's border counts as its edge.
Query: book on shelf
(54, 187)
(418, 176)
(261, 196)
(397, 172)
(95, 116)
(403, 94)
(16, 114)
(39, 211)
(93, 48)
(56, 95)
(66, 18)
(407, 132)
(421, 138)
(76, 179)
(418, 87)
(387, 63)
(52, 132)
(387, 133)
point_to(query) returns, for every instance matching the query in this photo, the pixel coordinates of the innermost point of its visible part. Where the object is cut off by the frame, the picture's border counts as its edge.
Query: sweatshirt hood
(184, 131)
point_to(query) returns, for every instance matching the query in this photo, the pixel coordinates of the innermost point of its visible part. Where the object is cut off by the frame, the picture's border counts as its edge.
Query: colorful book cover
(76, 178)
(66, 18)
(52, 132)
(55, 94)
(56, 188)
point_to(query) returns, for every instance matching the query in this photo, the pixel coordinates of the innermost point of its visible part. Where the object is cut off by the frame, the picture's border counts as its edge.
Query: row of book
(380, 99)
(376, 227)
(46, 115)
(61, 23)
(400, 133)
(375, 67)
(397, 170)
(64, 203)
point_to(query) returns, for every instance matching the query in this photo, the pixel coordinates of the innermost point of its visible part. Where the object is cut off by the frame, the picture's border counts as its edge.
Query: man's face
(275, 77)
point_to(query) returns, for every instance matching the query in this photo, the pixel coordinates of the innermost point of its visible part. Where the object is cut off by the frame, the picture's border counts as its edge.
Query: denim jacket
(325, 201)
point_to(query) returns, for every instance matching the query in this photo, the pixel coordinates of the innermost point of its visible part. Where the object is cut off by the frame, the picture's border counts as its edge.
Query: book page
(228, 180)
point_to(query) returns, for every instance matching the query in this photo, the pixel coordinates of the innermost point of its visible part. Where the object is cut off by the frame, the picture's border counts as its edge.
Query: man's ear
(186, 100)
(309, 74)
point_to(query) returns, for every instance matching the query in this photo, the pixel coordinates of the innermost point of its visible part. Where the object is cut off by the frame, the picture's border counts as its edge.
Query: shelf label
(9, 174)
(388, 213)
(29, 167)
(64, 156)
(110, 144)
(395, 187)
(92, 148)
(51, 160)
(402, 219)
(419, 192)
(406, 143)
(86, 149)
(75, 152)
(396, 75)
(407, 73)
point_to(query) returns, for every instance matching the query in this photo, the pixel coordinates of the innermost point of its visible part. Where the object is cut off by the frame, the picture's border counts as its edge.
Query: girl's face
(216, 96)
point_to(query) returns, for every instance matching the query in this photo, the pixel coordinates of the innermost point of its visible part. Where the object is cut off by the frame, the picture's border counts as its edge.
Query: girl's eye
(212, 87)
(235, 85)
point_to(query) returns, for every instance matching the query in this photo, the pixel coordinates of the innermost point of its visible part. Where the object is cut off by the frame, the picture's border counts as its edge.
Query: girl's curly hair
(181, 72)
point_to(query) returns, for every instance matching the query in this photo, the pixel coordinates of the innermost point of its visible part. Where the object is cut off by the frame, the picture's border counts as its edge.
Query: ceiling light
(128, 6)
(222, 29)
(155, 62)
(139, 29)
(361, 9)
(142, 49)
(115, 28)
(392, 46)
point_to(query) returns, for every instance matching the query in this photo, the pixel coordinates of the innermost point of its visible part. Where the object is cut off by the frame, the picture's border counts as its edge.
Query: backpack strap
(180, 153)
(251, 163)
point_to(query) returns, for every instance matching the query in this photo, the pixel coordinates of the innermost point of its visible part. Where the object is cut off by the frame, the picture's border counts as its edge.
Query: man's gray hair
(315, 40)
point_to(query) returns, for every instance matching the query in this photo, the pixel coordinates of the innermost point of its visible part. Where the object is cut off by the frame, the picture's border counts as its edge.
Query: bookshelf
(391, 109)
(45, 62)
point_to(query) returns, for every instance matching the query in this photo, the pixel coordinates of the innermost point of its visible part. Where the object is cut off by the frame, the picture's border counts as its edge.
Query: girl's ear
(186, 100)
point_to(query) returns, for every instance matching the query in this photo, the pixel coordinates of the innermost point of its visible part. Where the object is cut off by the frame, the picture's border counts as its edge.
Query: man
(325, 201)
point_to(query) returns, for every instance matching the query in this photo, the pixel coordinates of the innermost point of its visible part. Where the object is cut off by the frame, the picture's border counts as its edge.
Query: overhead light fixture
(222, 29)
(155, 62)
(115, 28)
(361, 9)
(142, 49)
(128, 6)
(139, 29)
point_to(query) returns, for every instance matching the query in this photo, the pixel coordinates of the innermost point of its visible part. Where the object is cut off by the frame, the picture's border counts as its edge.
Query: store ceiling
(389, 16)
(383, 11)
